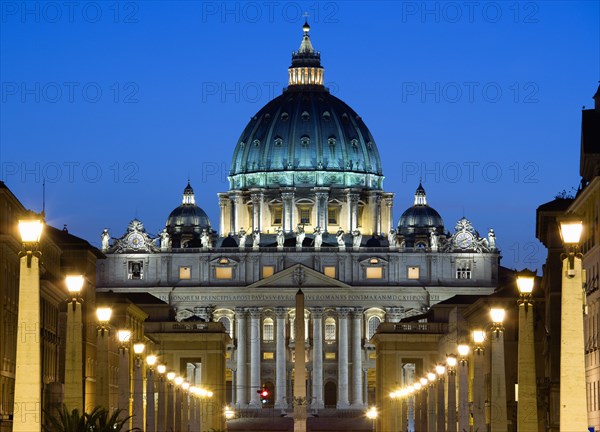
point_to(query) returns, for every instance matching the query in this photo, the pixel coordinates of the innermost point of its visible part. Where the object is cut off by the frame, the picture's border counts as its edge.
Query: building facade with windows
(305, 209)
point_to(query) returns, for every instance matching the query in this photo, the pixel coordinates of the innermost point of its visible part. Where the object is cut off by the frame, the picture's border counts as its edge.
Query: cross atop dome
(306, 66)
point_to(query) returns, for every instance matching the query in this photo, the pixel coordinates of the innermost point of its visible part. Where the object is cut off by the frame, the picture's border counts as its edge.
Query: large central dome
(306, 137)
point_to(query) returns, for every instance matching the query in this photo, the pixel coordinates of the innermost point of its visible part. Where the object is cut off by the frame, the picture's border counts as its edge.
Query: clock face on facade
(464, 240)
(135, 241)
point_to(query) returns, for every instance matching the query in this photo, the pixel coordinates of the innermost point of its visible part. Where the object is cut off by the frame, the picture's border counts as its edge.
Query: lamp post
(463, 388)
(498, 416)
(194, 415)
(161, 416)
(573, 410)
(102, 339)
(527, 418)
(178, 401)
(394, 397)
(170, 401)
(424, 385)
(440, 370)
(478, 383)
(451, 412)
(150, 418)
(431, 417)
(27, 409)
(124, 337)
(138, 387)
(185, 406)
(410, 426)
(404, 397)
(372, 415)
(74, 346)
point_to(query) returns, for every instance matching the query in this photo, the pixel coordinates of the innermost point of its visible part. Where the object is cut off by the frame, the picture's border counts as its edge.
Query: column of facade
(236, 201)
(321, 198)
(378, 214)
(280, 358)
(224, 203)
(257, 199)
(241, 392)
(317, 380)
(393, 314)
(254, 357)
(343, 358)
(357, 384)
(389, 205)
(287, 199)
(352, 200)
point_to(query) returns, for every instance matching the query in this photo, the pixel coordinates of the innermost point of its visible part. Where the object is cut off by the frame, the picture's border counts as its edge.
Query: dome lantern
(306, 66)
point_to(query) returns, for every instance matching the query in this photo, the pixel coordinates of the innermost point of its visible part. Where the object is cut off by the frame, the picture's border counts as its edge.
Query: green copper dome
(306, 137)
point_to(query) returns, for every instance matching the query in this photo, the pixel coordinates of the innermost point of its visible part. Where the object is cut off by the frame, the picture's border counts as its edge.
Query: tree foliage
(98, 420)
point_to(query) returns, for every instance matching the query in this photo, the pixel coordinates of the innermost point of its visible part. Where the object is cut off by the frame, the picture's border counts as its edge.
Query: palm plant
(98, 420)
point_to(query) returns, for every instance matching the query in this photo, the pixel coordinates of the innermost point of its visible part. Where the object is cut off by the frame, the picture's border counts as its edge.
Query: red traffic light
(264, 393)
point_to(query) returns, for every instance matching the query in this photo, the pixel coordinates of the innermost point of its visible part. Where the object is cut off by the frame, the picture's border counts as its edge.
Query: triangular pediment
(298, 275)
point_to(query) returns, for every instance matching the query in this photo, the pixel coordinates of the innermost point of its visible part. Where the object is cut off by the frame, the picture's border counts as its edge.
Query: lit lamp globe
(451, 360)
(411, 389)
(171, 376)
(139, 348)
(463, 350)
(31, 230)
(403, 392)
(185, 385)
(393, 395)
(478, 336)
(161, 369)
(372, 413)
(202, 392)
(209, 394)
(103, 314)
(178, 381)
(151, 360)
(124, 336)
(431, 377)
(570, 231)
(423, 381)
(74, 284)
(417, 386)
(497, 315)
(525, 281)
(440, 369)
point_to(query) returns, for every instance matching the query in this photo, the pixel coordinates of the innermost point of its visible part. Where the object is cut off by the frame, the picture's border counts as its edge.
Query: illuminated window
(374, 272)
(268, 356)
(372, 355)
(267, 271)
(185, 273)
(463, 270)
(227, 355)
(373, 324)
(329, 356)
(361, 210)
(413, 272)
(329, 271)
(136, 270)
(330, 329)
(268, 330)
(277, 216)
(223, 272)
(333, 215)
(293, 329)
(304, 216)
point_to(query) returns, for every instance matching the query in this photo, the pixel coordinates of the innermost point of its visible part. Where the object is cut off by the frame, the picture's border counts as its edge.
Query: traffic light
(264, 395)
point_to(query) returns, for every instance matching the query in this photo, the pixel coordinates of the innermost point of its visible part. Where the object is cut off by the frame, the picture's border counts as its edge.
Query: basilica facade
(305, 209)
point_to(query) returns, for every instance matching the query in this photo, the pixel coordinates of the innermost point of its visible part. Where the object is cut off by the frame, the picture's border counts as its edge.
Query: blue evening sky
(117, 103)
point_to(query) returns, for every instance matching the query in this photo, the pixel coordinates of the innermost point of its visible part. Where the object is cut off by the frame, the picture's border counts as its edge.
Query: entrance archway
(330, 395)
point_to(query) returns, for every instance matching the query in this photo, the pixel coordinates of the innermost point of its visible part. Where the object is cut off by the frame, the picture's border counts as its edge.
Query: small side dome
(186, 223)
(420, 219)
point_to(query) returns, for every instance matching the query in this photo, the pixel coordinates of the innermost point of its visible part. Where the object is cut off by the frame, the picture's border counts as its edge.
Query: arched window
(330, 329)
(373, 324)
(227, 324)
(268, 330)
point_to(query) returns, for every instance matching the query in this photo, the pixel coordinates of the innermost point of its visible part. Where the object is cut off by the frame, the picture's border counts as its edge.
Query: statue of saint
(205, 239)
(165, 240)
(300, 236)
(433, 240)
(255, 239)
(393, 239)
(280, 238)
(318, 238)
(340, 239)
(242, 238)
(492, 239)
(356, 239)
(105, 236)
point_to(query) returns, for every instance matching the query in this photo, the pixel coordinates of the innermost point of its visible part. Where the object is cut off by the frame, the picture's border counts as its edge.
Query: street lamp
(478, 381)
(74, 345)
(440, 370)
(161, 415)
(527, 418)
(138, 387)
(451, 412)
(27, 411)
(150, 418)
(431, 408)
(372, 415)
(463, 388)
(185, 406)
(498, 418)
(178, 403)
(102, 377)
(170, 400)
(124, 338)
(573, 413)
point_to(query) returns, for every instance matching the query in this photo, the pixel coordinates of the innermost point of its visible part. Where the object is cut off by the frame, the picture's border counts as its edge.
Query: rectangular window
(332, 216)
(413, 272)
(361, 210)
(136, 270)
(373, 355)
(329, 271)
(277, 215)
(463, 273)
(329, 356)
(185, 273)
(374, 272)
(267, 271)
(268, 356)
(223, 272)
(305, 216)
